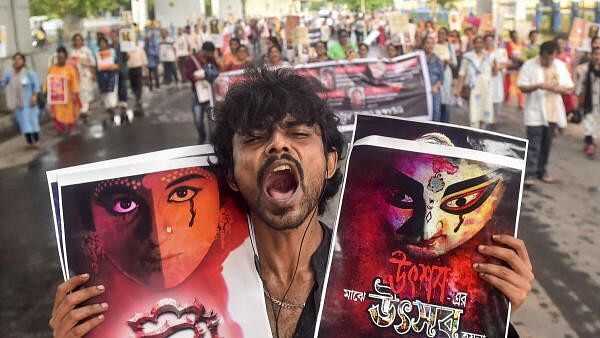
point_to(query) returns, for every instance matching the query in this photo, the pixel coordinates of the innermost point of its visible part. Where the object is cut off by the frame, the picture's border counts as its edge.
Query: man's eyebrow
(459, 186)
(294, 123)
(185, 178)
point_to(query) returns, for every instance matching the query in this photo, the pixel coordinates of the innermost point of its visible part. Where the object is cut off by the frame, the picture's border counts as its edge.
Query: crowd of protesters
(550, 82)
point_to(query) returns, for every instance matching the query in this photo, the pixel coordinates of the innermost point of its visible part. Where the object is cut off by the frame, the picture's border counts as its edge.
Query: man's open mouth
(281, 181)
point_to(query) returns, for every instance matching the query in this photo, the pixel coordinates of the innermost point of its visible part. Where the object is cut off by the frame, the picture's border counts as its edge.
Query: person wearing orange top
(242, 59)
(516, 56)
(230, 56)
(63, 88)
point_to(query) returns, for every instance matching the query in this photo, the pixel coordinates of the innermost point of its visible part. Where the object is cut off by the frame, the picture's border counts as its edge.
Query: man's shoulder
(530, 64)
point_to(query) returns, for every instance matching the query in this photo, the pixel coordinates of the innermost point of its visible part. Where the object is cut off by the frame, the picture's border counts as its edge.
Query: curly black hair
(262, 99)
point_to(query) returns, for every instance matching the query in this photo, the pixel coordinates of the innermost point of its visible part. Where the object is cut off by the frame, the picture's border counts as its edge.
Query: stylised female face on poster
(157, 228)
(437, 203)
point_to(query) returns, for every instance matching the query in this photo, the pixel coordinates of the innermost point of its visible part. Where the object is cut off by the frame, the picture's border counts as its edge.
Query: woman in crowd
(448, 56)
(83, 59)
(516, 56)
(566, 56)
(321, 51)
(107, 74)
(242, 59)
(63, 81)
(475, 76)
(274, 57)
(136, 61)
(391, 51)
(21, 86)
(363, 50)
(436, 75)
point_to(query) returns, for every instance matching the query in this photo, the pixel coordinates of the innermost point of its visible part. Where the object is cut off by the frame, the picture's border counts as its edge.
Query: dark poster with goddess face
(170, 246)
(413, 212)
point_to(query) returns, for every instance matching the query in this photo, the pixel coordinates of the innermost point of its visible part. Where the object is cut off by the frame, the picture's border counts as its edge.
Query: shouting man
(278, 146)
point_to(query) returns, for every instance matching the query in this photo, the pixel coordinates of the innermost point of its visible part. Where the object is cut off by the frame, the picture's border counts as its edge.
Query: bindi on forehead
(117, 182)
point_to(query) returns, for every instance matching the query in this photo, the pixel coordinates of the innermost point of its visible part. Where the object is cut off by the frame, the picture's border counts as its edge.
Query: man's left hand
(514, 280)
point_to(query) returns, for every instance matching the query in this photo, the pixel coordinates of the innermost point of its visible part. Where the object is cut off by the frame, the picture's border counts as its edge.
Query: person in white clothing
(499, 59)
(588, 91)
(445, 51)
(167, 56)
(182, 50)
(543, 79)
(476, 74)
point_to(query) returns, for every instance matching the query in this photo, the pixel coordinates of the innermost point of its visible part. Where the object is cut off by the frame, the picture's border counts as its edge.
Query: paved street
(558, 222)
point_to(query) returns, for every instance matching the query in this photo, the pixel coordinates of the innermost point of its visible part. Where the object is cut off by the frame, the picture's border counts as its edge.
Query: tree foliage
(80, 8)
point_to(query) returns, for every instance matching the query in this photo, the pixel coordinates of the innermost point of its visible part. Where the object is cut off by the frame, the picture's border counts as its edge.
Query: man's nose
(278, 142)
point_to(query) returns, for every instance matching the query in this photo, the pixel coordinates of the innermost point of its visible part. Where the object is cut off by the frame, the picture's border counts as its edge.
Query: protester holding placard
(566, 56)
(516, 55)
(152, 53)
(321, 51)
(588, 90)
(182, 51)
(136, 62)
(391, 50)
(21, 86)
(274, 58)
(63, 93)
(201, 69)
(242, 59)
(107, 74)
(230, 55)
(436, 76)
(337, 50)
(499, 63)
(168, 57)
(446, 49)
(474, 84)
(82, 58)
(543, 79)
(295, 156)
(363, 50)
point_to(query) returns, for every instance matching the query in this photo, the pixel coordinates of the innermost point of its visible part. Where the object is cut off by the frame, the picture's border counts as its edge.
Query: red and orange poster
(57, 89)
(169, 244)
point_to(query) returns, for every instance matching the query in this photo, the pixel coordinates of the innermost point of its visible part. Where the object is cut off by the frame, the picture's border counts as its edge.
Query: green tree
(80, 8)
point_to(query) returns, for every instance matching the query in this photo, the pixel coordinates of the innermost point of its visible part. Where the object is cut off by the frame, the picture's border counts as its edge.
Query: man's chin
(283, 218)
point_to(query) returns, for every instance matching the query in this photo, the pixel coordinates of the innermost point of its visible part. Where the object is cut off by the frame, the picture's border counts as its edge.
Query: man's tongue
(281, 185)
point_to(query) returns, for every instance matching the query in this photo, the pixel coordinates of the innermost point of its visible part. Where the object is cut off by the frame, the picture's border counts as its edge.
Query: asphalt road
(558, 222)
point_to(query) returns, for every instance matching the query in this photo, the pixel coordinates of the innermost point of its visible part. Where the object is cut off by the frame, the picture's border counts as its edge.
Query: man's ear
(332, 159)
(231, 181)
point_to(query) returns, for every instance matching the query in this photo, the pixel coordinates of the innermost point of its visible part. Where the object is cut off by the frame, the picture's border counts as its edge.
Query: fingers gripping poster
(418, 200)
(168, 243)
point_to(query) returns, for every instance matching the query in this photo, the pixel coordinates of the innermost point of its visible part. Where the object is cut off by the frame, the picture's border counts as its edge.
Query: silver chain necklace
(282, 304)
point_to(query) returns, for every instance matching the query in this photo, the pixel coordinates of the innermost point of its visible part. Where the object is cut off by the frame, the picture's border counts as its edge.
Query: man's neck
(279, 249)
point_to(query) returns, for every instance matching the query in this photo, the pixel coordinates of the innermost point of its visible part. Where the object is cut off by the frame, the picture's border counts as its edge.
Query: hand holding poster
(171, 248)
(57, 89)
(396, 87)
(403, 262)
